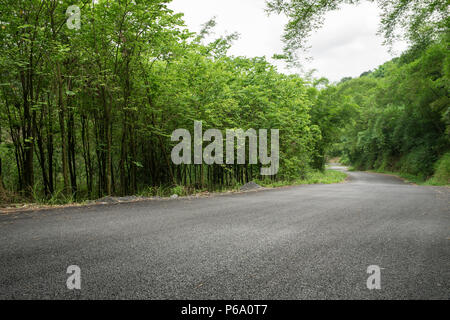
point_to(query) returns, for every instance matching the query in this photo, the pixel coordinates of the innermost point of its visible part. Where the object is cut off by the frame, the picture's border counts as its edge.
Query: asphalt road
(305, 242)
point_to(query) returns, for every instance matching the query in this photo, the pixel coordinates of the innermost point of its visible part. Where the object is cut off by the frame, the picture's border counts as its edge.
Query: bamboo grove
(89, 112)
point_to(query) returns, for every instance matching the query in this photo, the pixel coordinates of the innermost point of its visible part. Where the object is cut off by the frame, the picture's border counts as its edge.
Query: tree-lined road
(304, 242)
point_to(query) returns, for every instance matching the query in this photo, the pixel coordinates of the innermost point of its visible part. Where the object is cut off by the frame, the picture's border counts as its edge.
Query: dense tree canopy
(404, 115)
(397, 116)
(88, 109)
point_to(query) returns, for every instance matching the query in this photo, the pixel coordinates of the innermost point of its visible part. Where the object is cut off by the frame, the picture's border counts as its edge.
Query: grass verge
(433, 181)
(317, 177)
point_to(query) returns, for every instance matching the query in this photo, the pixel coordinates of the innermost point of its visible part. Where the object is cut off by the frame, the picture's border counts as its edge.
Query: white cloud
(347, 45)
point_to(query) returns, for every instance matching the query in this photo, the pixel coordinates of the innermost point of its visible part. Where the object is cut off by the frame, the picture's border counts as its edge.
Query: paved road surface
(305, 242)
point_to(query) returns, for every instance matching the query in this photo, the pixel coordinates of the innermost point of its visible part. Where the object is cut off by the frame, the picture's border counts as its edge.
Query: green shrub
(442, 171)
(418, 162)
(179, 190)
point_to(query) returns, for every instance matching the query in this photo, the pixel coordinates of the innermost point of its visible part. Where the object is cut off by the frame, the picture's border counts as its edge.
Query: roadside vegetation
(403, 121)
(316, 177)
(87, 113)
(398, 115)
(441, 176)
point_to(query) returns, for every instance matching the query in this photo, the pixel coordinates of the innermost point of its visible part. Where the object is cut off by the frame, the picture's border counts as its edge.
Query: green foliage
(89, 112)
(312, 177)
(442, 171)
(403, 123)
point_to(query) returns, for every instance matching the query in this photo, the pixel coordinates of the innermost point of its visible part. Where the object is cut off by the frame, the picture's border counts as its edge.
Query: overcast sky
(347, 45)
